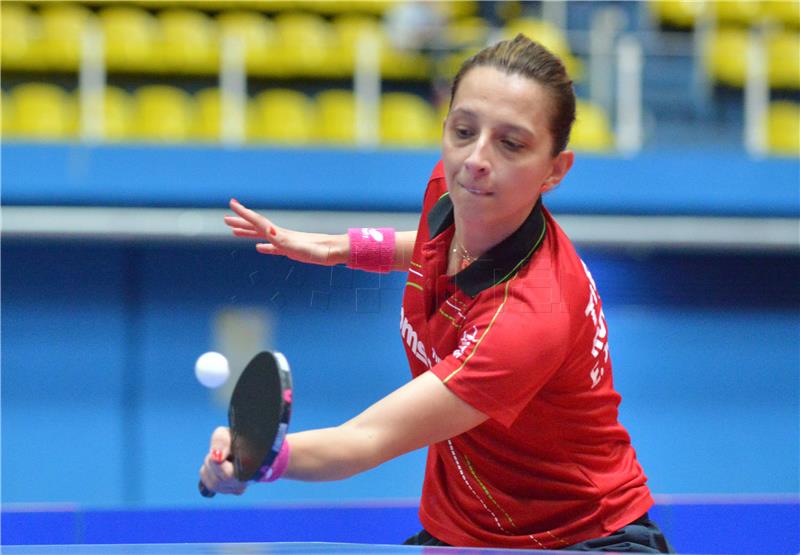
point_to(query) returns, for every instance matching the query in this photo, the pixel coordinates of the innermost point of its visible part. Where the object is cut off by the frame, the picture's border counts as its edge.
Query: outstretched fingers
(249, 223)
(253, 217)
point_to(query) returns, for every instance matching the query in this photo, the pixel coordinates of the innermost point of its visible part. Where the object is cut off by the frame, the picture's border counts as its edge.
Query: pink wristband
(279, 465)
(371, 249)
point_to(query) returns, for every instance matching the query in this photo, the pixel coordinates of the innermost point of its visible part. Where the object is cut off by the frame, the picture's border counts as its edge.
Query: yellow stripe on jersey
(452, 320)
(478, 344)
(486, 491)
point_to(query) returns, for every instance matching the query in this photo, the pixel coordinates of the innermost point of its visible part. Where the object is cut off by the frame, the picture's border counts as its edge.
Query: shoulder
(562, 262)
(437, 186)
(438, 172)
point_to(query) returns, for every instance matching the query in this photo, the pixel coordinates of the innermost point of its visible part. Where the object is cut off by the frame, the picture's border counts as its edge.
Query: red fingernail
(273, 231)
(234, 200)
(216, 454)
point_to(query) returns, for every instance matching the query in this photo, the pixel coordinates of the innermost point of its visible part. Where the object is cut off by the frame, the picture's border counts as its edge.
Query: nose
(477, 163)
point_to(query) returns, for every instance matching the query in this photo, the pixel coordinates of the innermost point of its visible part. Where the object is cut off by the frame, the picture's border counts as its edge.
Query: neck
(477, 237)
(470, 242)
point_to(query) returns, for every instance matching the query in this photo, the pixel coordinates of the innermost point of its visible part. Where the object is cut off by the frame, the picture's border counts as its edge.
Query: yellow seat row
(461, 8)
(726, 57)
(160, 113)
(783, 128)
(325, 7)
(685, 13)
(185, 41)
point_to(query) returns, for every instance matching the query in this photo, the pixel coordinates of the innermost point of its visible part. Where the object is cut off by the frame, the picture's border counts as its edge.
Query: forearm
(404, 248)
(337, 248)
(420, 413)
(329, 454)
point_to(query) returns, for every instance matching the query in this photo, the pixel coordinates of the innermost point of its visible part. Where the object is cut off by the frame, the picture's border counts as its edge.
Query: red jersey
(519, 335)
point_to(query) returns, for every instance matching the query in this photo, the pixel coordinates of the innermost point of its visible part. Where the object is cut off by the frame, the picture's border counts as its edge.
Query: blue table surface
(277, 548)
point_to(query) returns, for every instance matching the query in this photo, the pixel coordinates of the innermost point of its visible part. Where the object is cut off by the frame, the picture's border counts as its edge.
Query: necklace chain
(466, 257)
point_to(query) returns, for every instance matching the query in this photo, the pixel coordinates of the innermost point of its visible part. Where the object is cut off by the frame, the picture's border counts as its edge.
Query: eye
(512, 145)
(462, 132)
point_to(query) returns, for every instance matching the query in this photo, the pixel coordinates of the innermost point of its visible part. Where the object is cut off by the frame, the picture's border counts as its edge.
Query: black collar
(500, 262)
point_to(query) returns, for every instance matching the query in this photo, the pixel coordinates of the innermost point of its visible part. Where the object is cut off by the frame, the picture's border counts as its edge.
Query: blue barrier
(99, 341)
(731, 528)
(691, 182)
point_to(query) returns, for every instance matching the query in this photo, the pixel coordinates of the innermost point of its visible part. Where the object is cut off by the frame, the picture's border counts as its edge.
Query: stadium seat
(62, 27)
(6, 110)
(348, 30)
(131, 39)
(469, 35)
(406, 65)
(189, 42)
(305, 41)
(336, 116)
(259, 37)
(407, 120)
(783, 52)
(162, 114)
(369, 7)
(460, 9)
(394, 63)
(327, 7)
(680, 14)
(42, 111)
(549, 36)
(281, 116)
(208, 121)
(117, 114)
(726, 55)
(114, 120)
(468, 31)
(744, 13)
(785, 12)
(448, 66)
(592, 129)
(783, 128)
(20, 30)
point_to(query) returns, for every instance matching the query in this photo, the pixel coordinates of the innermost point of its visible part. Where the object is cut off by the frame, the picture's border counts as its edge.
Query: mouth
(475, 190)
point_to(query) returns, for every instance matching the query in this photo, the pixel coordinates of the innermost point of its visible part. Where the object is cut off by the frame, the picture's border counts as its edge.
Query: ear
(561, 165)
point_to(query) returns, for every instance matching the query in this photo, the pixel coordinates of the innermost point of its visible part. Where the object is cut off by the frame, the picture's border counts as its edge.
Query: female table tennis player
(505, 336)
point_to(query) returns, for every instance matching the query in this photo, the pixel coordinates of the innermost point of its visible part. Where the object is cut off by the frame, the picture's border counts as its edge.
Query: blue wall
(703, 182)
(99, 342)
(99, 338)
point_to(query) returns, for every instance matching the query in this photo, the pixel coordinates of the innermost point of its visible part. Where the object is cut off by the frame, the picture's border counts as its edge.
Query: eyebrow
(504, 125)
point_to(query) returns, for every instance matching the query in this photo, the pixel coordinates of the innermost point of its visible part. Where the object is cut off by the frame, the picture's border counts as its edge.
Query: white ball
(211, 369)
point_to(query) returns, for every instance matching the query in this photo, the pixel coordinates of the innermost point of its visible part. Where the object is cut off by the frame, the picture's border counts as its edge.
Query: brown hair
(530, 59)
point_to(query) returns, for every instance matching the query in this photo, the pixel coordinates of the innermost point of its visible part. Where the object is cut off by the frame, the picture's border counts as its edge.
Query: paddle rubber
(258, 416)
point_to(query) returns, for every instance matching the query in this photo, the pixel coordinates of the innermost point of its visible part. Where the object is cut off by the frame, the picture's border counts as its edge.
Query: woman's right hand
(217, 472)
(313, 248)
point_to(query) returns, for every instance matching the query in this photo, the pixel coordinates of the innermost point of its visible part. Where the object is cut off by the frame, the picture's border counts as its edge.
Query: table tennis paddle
(258, 416)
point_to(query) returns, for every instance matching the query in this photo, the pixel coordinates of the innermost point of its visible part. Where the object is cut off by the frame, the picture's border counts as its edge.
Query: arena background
(117, 271)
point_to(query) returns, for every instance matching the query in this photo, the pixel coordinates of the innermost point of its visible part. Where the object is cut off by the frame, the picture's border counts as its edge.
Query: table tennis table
(275, 548)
